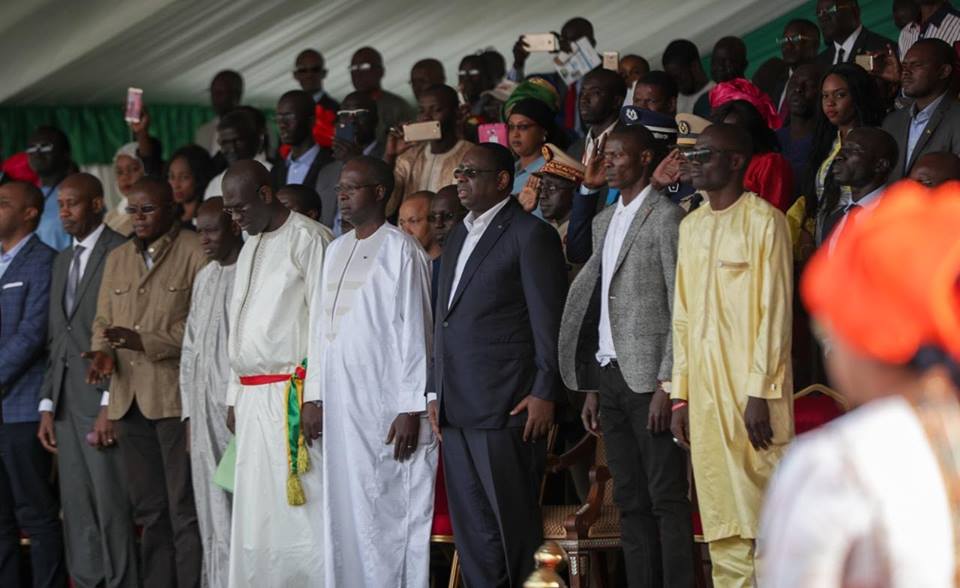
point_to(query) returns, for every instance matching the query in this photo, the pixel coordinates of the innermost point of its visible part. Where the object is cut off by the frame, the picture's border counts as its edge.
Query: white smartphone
(134, 105)
(611, 60)
(422, 131)
(540, 42)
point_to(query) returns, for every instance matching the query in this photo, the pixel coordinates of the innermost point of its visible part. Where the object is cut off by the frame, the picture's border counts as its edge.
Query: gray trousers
(97, 521)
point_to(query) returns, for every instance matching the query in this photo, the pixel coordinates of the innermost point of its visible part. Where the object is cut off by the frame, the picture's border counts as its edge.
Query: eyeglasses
(441, 216)
(469, 72)
(701, 156)
(342, 189)
(145, 209)
(39, 148)
(353, 112)
(361, 67)
(522, 127)
(314, 69)
(243, 209)
(831, 11)
(793, 40)
(466, 172)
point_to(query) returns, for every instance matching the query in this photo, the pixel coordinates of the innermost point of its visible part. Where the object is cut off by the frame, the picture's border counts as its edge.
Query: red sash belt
(264, 379)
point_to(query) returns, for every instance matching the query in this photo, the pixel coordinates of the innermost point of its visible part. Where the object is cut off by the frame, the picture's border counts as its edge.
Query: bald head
(219, 236)
(249, 198)
(413, 220)
(933, 169)
(877, 141)
(445, 212)
(300, 101)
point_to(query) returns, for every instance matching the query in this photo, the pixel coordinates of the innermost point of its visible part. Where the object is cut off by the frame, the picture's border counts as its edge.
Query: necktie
(840, 55)
(570, 107)
(73, 281)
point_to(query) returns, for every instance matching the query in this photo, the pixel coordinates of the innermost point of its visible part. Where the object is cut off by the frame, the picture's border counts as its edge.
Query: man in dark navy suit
(27, 499)
(502, 288)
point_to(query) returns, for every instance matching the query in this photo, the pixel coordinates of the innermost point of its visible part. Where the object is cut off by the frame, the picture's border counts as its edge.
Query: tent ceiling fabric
(64, 52)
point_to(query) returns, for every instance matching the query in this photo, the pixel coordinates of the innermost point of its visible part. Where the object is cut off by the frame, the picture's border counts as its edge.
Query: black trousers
(28, 503)
(155, 458)
(493, 486)
(649, 487)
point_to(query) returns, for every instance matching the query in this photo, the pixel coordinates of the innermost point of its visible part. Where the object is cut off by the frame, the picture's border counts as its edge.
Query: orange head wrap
(890, 285)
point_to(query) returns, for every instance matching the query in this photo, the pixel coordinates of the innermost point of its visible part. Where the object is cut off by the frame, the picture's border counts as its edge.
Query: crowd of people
(251, 370)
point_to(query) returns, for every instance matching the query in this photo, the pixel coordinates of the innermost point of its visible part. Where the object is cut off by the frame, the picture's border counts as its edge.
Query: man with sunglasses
(309, 71)
(366, 73)
(277, 526)
(844, 34)
(136, 343)
(798, 46)
(48, 152)
(355, 134)
(732, 384)
(502, 286)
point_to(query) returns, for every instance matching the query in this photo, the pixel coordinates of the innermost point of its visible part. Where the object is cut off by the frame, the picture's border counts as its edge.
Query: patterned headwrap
(743, 89)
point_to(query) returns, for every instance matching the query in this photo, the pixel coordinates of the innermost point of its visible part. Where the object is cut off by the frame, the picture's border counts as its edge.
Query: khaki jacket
(154, 303)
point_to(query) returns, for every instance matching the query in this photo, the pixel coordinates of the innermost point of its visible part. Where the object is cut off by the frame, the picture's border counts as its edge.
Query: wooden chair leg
(455, 571)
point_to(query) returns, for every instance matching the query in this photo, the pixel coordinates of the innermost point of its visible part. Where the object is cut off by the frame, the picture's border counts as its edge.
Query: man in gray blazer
(932, 123)
(616, 324)
(97, 524)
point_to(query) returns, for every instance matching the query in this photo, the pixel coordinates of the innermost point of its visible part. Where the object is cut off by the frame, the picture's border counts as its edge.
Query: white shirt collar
(637, 202)
(605, 131)
(90, 240)
(871, 199)
(471, 221)
(306, 157)
(847, 45)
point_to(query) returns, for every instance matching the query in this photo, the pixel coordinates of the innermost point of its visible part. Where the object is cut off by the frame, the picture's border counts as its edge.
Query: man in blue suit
(27, 499)
(502, 286)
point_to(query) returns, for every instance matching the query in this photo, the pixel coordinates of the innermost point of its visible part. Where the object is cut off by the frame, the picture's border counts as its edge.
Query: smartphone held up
(421, 131)
(134, 110)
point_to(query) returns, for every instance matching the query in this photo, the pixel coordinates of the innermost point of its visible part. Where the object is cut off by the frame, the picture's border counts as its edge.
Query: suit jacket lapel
(22, 255)
(927, 132)
(58, 283)
(448, 267)
(498, 224)
(634, 229)
(96, 258)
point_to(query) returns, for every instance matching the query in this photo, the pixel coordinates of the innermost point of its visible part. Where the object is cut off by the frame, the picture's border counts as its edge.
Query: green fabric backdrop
(97, 131)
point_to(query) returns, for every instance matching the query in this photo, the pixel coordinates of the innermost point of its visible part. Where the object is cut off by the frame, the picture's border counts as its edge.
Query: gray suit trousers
(97, 521)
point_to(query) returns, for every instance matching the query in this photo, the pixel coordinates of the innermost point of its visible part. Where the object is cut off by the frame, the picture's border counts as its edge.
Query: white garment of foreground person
(369, 355)
(274, 543)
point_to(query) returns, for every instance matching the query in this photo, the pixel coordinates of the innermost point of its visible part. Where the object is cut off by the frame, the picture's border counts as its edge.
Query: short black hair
(241, 120)
(680, 51)
(496, 64)
(380, 173)
(445, 93)
(943, 51)
(233, 78)
(306, 196)
(643, 139)
(805, 23)
(32, 195)
(661, 80)
(58, 135)
(500, 157)
(610, 79)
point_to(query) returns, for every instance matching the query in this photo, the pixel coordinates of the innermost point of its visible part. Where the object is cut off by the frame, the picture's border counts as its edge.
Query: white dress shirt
(476, 226)
(847, 47)
(298, 168)
(612, 243)
(88, 243)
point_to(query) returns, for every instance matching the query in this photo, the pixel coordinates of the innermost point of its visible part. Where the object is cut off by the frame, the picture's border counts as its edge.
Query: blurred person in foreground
(871, 499)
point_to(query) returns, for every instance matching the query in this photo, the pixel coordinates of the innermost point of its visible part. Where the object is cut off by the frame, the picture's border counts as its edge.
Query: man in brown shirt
(141, 314)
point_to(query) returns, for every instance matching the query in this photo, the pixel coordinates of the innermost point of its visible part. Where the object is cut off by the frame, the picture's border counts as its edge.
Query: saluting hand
(595, 175)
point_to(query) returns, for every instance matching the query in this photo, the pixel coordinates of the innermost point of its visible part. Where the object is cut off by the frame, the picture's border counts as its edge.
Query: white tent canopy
(69, 52)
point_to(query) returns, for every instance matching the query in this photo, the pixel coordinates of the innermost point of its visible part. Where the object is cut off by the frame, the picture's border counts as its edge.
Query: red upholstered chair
(442, 531)
(815, 406)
